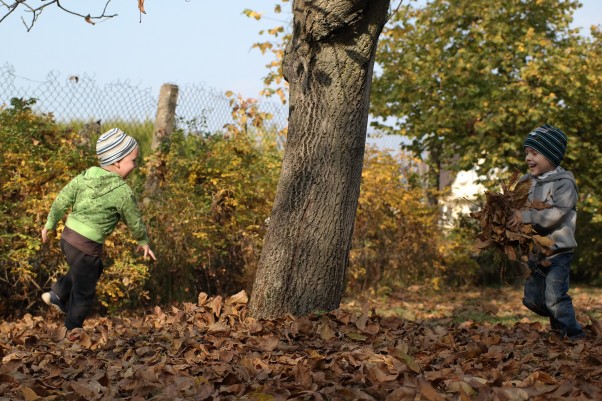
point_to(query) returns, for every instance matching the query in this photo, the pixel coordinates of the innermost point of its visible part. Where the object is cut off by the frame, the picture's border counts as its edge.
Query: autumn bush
(206, 215)
(209, 214)
(34, 157)
(398, 240)
(37, 159)
(215, 195)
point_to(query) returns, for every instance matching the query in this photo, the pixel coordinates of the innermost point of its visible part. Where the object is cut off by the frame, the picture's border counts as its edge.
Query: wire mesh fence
(80, 102)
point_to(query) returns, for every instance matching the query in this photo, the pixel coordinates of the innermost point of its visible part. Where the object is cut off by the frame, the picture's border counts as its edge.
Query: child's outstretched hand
(44, 234)
(515, 220)
(147, 251)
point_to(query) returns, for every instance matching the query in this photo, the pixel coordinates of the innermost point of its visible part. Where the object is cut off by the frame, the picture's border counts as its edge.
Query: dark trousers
(546, 293)
(78, 286)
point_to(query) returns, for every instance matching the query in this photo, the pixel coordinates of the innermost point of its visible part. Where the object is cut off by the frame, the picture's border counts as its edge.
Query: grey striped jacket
(559, 191)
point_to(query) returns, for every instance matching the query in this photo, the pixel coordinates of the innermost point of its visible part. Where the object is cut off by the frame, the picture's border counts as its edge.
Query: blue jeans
(546, 293)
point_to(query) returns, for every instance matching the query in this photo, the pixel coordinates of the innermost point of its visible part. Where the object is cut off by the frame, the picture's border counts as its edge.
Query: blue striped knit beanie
(113, 146)
(549, 141)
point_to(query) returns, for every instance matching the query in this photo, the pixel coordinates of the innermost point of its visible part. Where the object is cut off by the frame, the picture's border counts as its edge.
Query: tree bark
(328, 65)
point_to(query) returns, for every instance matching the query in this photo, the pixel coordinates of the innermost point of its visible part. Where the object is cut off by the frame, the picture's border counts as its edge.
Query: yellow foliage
(209, 218)
(396, 229)
(48, 159)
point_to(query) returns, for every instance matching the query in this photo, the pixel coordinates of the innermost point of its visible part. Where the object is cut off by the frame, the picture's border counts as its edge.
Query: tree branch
(36, 11)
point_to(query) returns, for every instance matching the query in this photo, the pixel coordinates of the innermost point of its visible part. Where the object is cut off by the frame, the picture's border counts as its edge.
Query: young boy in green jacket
(99, 198)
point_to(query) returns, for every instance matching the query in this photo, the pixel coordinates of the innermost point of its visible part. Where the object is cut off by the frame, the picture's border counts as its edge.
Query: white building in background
(466, 196)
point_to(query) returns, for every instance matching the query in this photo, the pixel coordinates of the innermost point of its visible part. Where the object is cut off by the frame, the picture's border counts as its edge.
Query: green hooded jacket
(98, 200)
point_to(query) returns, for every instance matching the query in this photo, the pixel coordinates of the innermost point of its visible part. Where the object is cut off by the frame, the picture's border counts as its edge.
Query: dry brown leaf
(60, 333)
(461, 386)
(539, 205)
(84, 340)
(596, 324)
(492, 309)
(480, 244)
(252, 325)
(29, 394)
(342, 315)
(428, 391)
(325, 332)
(303, 325)
(377, 374)
(82, 390)
(217, 327)
(543, 241)
(538, 376)
(302, 374)
(268, 343)
(202, 298)
(141, 6)
(361, 321)
(514, 394)
(406, 359)
(240, 298)
(216, 306)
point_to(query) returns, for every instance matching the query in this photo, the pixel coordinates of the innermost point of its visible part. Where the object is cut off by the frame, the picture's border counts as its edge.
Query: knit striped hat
(549, 141)
(113, 146)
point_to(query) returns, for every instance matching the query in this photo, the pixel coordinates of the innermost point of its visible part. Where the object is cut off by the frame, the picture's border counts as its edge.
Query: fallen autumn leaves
(212, 350)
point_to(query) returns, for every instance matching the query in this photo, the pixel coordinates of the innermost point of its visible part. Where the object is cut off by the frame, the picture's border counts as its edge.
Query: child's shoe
(554, 336)
(50, 298)
(578, 337)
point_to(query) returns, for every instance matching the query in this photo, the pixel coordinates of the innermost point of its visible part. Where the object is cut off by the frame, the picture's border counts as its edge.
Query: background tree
(466, 81)
(578, 78)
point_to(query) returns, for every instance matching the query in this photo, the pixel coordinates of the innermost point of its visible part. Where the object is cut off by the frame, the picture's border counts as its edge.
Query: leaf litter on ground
(212, 350)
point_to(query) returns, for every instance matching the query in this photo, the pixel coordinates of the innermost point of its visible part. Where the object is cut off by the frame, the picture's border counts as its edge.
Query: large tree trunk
(328, 65)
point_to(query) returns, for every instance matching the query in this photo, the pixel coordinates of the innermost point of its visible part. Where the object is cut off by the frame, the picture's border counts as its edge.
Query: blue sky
(178, 41)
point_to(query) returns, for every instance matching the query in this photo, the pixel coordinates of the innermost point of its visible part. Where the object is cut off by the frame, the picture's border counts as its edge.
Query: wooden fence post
(164, 126)
(166, 114)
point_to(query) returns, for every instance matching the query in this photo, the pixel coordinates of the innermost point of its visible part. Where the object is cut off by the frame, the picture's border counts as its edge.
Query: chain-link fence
(80, 102)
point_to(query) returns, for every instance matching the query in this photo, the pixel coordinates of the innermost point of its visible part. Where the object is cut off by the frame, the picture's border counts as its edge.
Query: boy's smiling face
(537, 163)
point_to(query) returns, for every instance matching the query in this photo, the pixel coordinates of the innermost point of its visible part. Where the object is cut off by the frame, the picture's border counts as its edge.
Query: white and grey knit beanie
(113, 146)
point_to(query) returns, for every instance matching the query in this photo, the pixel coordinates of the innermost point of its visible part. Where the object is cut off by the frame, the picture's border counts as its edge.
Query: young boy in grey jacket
(546, 289)
(98, 198)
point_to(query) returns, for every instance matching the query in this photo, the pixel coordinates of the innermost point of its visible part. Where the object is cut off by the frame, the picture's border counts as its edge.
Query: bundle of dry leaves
(493, 217)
